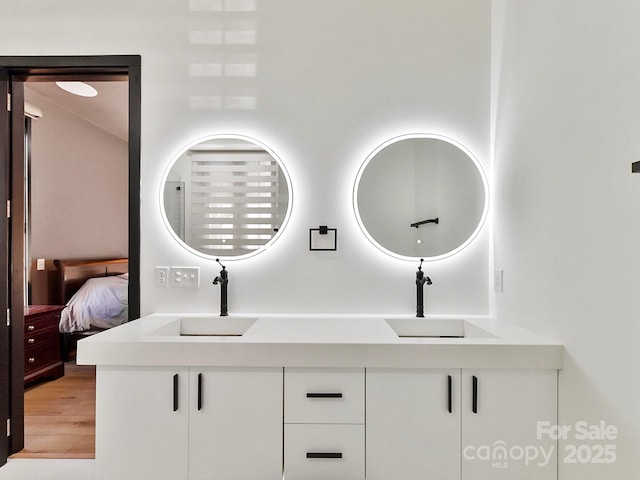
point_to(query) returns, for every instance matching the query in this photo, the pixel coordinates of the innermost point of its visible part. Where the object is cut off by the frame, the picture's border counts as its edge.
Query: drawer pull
(31, 360)
(31, 340)
(324, 395)
(474, 405)
(175, 392)
(31, 328)
(324, 454)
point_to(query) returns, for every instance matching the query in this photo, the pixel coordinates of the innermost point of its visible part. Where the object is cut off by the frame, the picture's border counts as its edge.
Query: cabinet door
(141, 423)
(413, 424)
(235, 424)
(500, 421)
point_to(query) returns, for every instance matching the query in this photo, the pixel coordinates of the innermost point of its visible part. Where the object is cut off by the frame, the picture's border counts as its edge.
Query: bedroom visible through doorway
(76, 209)
(77, 179)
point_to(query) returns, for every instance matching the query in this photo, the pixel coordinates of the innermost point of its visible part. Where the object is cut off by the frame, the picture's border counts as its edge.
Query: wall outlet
(40, 264)
(162, 277)
(185, 277)
(498, 278)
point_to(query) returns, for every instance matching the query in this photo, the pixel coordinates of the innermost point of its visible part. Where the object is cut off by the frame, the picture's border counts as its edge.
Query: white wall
(79, 187)
(567, 217)
(320, 82)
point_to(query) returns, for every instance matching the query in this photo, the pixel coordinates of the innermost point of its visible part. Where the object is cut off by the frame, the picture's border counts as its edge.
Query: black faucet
(420, 281)
(223, 280)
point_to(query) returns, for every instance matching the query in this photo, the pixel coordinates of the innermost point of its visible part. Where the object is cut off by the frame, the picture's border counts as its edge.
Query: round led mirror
(421, 196)
(226, 197)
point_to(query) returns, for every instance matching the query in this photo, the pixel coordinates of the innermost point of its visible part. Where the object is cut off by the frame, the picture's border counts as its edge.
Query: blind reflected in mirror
(226, 197)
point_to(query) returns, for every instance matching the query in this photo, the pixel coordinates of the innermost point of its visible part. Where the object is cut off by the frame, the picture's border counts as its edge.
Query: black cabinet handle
(449, 400)
(474, 405)
(175, 392)
(199, 391)
(324, 454)
(324, 395)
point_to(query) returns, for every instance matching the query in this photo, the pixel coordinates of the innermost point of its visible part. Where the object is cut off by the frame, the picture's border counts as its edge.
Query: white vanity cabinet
(189, 423)
(324, 427)
(489, 434)
(413, 424)
(142, 428)
(500, 424)
(322, 399)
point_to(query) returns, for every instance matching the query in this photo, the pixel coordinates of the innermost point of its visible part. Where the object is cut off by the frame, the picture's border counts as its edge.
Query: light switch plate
(185, 277)
(40, 265)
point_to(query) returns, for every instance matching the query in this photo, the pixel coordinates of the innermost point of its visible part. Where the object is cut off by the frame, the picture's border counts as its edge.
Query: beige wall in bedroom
(79, 192)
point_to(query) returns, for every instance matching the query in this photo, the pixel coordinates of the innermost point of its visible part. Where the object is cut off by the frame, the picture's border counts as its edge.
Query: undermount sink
(435, 328)
(215, 326)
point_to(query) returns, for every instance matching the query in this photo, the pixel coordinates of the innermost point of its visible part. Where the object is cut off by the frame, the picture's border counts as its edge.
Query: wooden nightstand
(42, 342)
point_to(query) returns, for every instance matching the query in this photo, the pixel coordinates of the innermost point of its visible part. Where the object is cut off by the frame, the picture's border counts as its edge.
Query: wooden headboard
(73, 273)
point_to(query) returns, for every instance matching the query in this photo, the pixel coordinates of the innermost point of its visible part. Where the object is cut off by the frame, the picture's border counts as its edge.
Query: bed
(95, 292)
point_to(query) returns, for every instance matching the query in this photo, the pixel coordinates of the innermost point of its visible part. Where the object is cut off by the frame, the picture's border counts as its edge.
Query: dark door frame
(5, 356)
(14, 70)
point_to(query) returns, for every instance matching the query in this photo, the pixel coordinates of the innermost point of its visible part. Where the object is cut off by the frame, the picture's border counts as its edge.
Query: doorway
(14, 72)
(76, 208)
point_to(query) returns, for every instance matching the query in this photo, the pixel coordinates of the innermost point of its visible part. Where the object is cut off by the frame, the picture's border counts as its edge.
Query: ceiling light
(78, 88)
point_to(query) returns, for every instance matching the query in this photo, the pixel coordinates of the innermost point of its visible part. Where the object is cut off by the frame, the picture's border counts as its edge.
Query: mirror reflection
(420, 196)
(226, 196)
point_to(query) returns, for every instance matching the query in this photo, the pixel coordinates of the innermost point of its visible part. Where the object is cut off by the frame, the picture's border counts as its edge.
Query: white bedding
(102, 302)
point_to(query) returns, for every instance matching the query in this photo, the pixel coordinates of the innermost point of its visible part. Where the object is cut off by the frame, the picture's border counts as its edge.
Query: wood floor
(59, 419)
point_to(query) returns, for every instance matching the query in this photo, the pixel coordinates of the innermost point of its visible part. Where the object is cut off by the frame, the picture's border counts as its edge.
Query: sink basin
(435, 328)
(215, 326)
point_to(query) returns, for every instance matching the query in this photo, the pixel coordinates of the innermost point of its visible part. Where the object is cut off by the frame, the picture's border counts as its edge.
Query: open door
(13, 73)
(13, 128)
(11, 265)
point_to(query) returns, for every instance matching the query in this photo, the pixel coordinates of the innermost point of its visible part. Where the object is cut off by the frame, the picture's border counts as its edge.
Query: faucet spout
(223, 280)
(421, 279)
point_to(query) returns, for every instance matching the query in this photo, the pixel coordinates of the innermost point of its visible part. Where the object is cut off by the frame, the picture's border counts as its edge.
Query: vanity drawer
(324, 452)
(324, 395)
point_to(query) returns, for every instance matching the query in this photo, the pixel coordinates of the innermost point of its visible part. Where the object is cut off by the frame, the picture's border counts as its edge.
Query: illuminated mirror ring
(421, 196)
(226, 196)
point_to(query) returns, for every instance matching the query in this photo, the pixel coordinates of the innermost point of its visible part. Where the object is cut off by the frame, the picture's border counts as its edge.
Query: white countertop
(320, 341)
